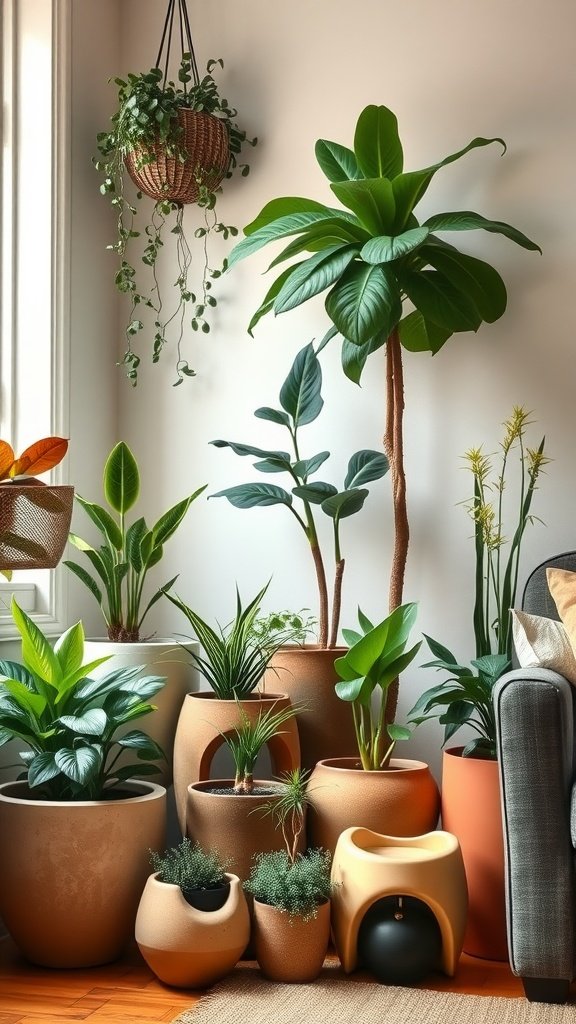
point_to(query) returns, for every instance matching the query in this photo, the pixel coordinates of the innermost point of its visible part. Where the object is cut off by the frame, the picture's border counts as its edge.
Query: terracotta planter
(34, 524)
(186, 947)
(232, 824)
(403, 800)
(203, 722)
(287, 948)
(163, 657)
(307, 674)
(471, 810)
(71, 874)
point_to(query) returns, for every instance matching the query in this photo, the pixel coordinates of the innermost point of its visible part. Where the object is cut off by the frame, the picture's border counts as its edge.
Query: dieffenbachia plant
(390, 280)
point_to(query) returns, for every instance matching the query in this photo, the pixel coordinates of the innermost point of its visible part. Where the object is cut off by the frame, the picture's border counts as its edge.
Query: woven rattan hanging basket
(34, 524)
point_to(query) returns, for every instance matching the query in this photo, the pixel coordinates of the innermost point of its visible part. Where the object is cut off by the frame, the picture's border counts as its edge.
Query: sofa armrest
(534, 711)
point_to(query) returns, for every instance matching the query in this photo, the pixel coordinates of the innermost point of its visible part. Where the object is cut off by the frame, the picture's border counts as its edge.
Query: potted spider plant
(208, 922)
(307, 671)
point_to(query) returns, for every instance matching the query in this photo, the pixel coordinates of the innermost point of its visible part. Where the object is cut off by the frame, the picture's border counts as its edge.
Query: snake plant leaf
(273, 415)
(80, 764)
(473, 277)
(439, 301)
(365, 302)
(386, 248)
(365, 466)
(377, 145)
(345, 503)
(316, 492)
(292, 224)
(337, 162)
(305, 467)
(300, 395)
(314, 275)
(371, 200)
(466, 220)
(121, 479)
(354, 357)
(420, 335)
(255, 495)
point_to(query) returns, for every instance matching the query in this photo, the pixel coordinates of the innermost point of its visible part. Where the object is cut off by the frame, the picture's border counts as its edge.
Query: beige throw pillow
(543, 643)
(562, 586)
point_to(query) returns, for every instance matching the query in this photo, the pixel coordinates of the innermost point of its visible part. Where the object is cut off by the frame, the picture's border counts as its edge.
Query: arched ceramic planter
(471, 810)
(205, 719)
(368, 866)
(234, 825)
(307, 674)
(289, 949)
(186, 947)
(71, 874)
(402, 800)
(162, 657)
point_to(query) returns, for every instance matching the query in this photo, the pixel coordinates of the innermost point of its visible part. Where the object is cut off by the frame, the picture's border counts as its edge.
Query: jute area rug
(246, 998)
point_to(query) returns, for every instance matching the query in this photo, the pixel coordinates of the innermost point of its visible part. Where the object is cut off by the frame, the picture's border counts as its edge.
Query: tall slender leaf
(377, 143)
(121, 479)
(300, 395)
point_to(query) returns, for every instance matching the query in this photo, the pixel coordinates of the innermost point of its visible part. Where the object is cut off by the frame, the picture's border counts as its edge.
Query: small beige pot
(288, 948)
(402, 800)
(307, 674)
(71, 874)
(186, 947)
(204, 721)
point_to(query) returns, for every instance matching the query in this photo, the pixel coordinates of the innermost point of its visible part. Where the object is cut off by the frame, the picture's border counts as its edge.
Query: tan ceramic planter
(471, 810)
(203, 722)
(403, 800)
(186, 947)
(287, 948)
(368, 866)
(233, 825)
(307, 674)
(160, 658)
(71, 874)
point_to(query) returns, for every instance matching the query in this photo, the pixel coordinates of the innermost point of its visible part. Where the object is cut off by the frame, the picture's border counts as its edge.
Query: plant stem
(336, 602)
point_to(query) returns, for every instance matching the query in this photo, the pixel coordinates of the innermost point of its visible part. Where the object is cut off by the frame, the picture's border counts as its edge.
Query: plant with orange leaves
(38, 458)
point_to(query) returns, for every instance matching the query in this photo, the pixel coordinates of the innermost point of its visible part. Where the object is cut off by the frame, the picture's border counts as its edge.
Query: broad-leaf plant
(389, 277)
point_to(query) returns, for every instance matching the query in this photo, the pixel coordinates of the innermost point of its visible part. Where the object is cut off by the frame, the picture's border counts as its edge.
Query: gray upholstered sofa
(535, 714)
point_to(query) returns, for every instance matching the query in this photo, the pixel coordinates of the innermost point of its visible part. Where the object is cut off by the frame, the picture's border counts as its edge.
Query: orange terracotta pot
(205, 720)
(471, 811)
(402, 800)
(289, 949)
(307, 675)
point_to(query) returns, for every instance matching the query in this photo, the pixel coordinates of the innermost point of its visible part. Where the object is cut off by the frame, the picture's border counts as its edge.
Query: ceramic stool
(369, 866)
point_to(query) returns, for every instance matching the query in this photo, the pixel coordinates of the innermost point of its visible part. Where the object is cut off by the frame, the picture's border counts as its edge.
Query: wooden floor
(128, 992)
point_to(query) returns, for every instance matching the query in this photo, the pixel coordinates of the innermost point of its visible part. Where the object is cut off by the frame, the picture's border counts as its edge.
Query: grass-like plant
(289, 811)
(248, 738)
(190, 867)
(296, 887)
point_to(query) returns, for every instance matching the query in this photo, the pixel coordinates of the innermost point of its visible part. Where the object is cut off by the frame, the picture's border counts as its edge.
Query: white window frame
(43, 334)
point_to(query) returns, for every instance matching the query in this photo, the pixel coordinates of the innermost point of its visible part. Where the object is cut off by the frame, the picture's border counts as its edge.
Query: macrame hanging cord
(185, 35)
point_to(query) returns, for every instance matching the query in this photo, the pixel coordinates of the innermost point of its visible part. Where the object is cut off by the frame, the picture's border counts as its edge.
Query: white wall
(298, 72)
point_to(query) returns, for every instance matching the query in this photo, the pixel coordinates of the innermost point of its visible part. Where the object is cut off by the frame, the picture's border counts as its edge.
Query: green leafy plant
(375, 659)
(190, 867)
(295, 887)
(234, 659)
(301, 401)
(465, 698)
(248, 738)
(390, 280)
(286, 626)
(147, 116)
(127, 553)
(69, 721)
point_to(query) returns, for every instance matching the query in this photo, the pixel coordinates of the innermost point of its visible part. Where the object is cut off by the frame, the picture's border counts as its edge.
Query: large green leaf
(170, 521)
(365, 466)
(329, 233)
(338, 162)
(316, 492)
(103, 520)
(364, 303)
(69, 649)
(267, 303)
(86, 578)
(371, 199)
(282, 459)
(37, 654)
(91, 723)
(292, 224)
(377, 144)
(121, 479)
(30, 702)
(41, 769)
(254, 495)
(439, 301)
(466, 220)
(305, 467)
(313, 276)
(273, 415)
(345, 503)
(282, 207)
(134, 536)
(420, 335)
(354, 356)
(81, 765)
(385, 248)
(300, 395)
(147, 748)
(475, 278)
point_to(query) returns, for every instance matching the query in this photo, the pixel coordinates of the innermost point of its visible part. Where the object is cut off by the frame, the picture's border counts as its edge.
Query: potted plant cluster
(307, 671)
(75, 828)
(34, 516)
(117, 579)
(192, 923)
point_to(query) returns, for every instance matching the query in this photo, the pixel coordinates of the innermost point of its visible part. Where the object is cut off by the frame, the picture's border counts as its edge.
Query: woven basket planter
(34, 524)
(204, 139)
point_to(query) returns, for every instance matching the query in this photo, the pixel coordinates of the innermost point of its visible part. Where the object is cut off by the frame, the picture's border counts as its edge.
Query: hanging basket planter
(159, 175)
(34, 524)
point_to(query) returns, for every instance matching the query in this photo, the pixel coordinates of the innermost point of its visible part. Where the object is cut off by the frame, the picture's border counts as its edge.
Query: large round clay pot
(289, 949)
(234, 825)
(71, 874)
(204, 721)
(402, 800)
(471, 811)
(307, 675)
(162, 657)
(186, 947)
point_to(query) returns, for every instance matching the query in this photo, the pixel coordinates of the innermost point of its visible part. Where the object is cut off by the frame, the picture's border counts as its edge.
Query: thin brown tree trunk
(323, 595)
(336, 604)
